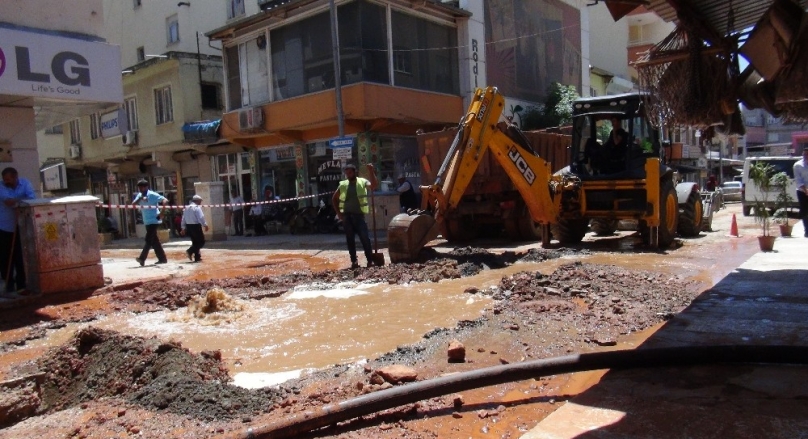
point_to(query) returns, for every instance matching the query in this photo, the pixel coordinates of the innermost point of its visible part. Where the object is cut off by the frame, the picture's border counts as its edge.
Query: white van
(752, 194)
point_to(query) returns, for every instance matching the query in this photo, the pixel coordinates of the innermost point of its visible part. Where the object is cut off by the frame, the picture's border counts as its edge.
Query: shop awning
(205, 131)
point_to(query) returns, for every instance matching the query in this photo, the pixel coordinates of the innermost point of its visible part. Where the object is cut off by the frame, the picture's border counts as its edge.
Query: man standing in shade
(237, 208)
(351, 202)
(801, 180)
(149, 202)
(193, 220)
(13, 190)
(406, 194)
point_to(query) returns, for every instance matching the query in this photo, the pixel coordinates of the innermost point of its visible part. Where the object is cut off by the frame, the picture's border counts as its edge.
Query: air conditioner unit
(129, 138)
(75, 151)
(250, 118)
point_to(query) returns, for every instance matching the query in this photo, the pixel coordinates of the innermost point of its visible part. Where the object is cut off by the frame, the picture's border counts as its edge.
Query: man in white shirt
(801, 179)
(193, 220)
(237, 207)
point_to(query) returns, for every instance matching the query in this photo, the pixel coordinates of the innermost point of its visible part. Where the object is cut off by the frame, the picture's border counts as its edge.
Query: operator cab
(611, 137)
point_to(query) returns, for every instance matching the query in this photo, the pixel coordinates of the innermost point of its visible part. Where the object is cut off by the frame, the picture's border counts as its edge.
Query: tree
(557, 109)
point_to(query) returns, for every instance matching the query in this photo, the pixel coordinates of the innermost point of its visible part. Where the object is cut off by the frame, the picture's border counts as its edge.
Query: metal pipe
(297, 424)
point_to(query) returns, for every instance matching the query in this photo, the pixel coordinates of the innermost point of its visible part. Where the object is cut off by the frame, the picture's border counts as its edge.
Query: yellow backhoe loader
(615, 173)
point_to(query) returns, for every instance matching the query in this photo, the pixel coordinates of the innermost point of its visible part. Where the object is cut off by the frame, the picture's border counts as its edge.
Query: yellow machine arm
(478, 132)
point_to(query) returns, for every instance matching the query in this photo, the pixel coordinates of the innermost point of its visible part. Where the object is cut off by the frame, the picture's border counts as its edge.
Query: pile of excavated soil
(578, 308)
(155, 374)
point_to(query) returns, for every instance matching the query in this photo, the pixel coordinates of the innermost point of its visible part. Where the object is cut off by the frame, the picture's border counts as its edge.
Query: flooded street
(284, 316)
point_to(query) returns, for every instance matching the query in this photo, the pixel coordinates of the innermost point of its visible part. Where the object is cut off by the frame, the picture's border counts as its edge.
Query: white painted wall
(471, 39)
(608, 41)
(18, 129)
(81, 16)
(146, 26)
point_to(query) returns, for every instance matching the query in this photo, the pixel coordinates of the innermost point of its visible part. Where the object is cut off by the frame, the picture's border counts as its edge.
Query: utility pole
(337, 69)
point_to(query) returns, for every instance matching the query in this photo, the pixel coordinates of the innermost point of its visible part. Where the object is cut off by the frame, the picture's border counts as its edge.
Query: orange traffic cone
(733, 229)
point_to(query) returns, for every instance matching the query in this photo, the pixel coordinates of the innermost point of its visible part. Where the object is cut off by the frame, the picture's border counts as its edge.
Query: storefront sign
(330, 171)
(51, 66)
(282, 154)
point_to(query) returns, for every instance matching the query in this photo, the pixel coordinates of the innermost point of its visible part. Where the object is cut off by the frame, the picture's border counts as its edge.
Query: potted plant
(760, 174)
(782, 203)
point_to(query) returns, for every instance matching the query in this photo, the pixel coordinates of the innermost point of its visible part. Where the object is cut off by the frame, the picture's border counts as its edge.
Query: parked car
(731, 190)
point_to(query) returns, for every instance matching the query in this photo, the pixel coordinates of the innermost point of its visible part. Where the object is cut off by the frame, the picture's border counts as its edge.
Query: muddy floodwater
(217, 349)
(267, 341)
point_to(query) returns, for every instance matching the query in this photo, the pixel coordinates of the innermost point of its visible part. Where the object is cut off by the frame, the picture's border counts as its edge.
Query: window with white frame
(172, 29)
(235, 8)
(130, 105)
(95, 126)
(163, 109)
(75, 132)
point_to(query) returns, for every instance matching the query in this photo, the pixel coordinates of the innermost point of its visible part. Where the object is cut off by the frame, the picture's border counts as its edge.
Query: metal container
(59, 238)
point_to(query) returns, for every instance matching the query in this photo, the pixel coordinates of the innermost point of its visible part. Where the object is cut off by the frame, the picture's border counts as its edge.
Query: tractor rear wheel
(668, 217)
(691, 216)
(603, 226)
(570, 231)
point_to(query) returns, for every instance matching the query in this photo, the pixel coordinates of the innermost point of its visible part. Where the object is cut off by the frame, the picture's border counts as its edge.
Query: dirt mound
(97, 363)
(600, 301)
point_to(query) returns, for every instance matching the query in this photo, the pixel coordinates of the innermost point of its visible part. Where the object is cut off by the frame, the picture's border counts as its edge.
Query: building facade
(172, 80)
(54, 65)
(403, 68)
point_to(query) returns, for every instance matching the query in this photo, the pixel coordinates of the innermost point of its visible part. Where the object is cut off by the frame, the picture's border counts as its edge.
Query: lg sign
(68, 68)
(39, 64)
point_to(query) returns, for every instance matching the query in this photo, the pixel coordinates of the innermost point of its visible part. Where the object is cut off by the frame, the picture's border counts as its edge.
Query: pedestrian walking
(801, 180)
(351, 203)
(152, 205)
(193, 220)
(12, 266)
(237, 208)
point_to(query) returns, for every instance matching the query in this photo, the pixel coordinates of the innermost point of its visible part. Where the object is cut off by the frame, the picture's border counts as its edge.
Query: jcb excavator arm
(478, 132)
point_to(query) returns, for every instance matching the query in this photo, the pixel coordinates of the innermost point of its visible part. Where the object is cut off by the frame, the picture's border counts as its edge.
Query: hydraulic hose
(616, 360)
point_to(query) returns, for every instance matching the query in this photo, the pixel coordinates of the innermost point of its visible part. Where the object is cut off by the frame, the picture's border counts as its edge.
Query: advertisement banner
(57, 67)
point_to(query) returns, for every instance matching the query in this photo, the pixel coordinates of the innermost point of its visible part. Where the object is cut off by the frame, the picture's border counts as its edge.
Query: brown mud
(105, 384)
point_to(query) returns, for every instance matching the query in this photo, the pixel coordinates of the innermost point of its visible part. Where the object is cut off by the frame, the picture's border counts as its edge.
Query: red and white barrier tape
(255, 203)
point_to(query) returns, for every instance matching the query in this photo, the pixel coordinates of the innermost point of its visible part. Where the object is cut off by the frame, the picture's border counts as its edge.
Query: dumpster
(60, 245)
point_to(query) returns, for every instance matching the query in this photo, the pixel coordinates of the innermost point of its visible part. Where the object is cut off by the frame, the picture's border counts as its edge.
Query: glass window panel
(257, 71)
(424, 54)
(302, 60)
(363, 43)
(233, 78)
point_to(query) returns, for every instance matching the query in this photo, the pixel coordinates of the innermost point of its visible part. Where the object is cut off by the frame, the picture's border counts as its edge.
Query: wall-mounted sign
(342, 148)
(114, 123)
(54, 66)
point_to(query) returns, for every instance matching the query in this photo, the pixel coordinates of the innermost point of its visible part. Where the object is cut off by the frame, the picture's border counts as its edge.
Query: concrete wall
(18, 130)
(608, 41)
(80, 16)
(145, 26)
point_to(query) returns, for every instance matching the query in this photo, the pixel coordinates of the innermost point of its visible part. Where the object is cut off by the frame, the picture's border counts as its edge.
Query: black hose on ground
(626, 359)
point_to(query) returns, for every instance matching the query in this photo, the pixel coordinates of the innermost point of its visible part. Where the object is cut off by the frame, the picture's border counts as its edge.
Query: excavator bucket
(408, 234)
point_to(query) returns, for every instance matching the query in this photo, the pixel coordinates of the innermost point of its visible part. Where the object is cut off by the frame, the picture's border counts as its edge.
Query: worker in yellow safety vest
(350, 200)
